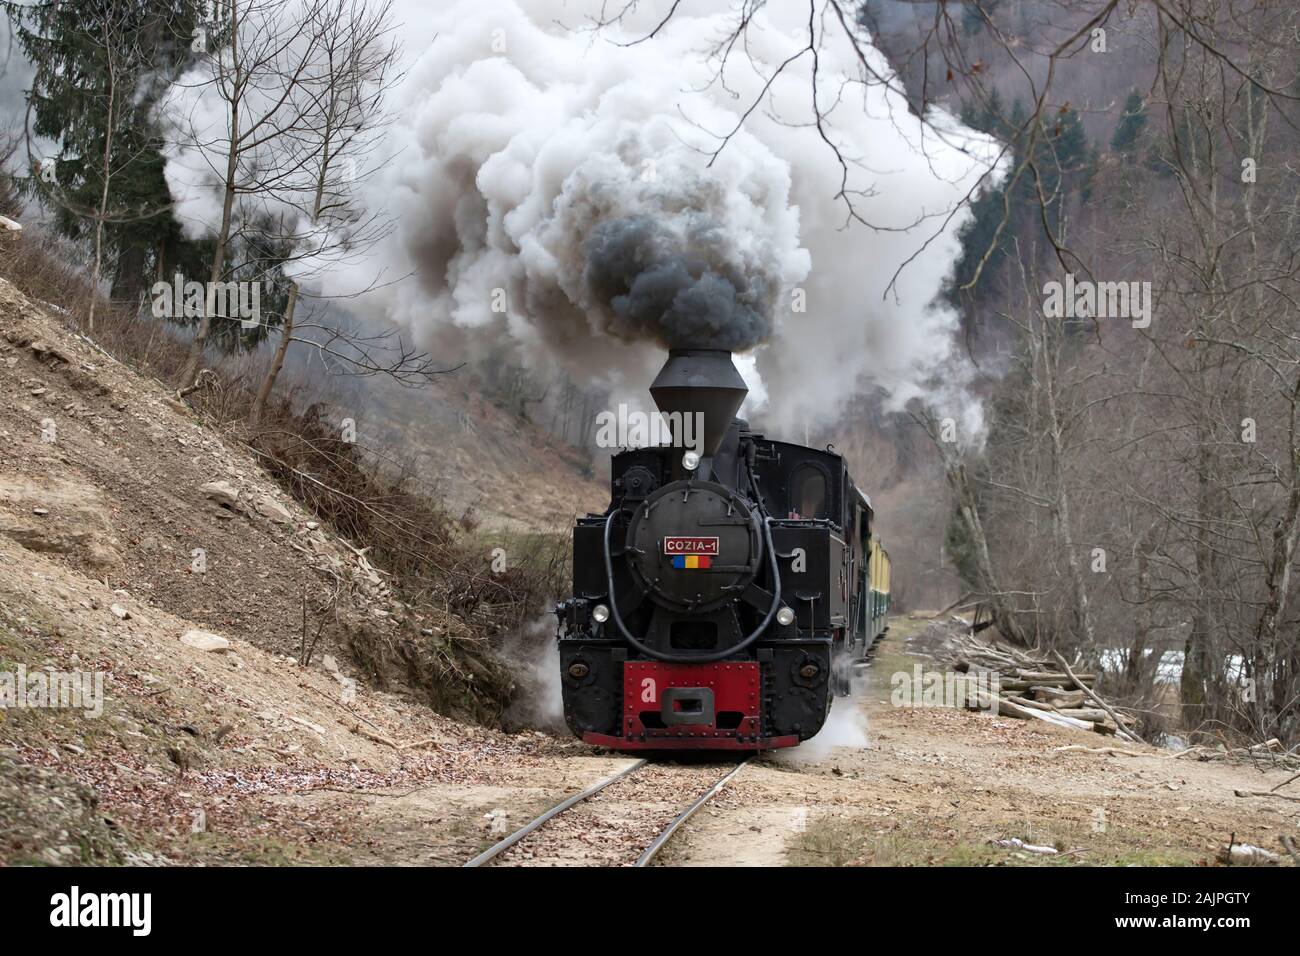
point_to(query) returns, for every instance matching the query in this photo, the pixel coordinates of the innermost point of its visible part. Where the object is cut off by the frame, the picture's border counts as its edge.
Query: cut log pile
(1030, 685)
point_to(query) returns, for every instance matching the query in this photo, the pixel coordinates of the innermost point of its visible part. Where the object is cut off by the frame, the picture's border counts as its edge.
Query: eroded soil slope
(140, 547)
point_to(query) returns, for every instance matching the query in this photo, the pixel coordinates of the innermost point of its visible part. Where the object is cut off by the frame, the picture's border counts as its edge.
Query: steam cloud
(563, 193)
(681, 291)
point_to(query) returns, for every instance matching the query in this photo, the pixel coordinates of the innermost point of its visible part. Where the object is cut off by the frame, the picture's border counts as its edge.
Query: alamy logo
(628, 428)
(76, 690)
(103, 909)
(1085, 299)
(193, 300)
(978, 691)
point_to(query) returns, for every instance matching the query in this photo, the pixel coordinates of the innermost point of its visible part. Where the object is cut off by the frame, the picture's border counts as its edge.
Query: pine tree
(973, 14)
(69, 92)
(1065, 161)
(1130, 126)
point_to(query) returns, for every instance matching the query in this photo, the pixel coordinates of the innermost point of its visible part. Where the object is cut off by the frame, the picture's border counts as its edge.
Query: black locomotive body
(722, 599)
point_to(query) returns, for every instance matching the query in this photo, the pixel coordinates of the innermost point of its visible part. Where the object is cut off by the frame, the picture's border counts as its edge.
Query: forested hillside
(1138, 490)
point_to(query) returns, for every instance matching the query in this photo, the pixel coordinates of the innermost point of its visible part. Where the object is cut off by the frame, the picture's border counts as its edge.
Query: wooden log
(1129, 734)
(1093, 714)
(1014, 686)
(1115, 751)
(1026, 702)
(1051, 678)
(1061, 698)
(1265, 793)
(1019, 683)
(1089, 714)
(1009, 708)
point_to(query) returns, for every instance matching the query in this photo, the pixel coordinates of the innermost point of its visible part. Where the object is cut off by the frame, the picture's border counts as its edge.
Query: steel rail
(498, 848)
(662, 839)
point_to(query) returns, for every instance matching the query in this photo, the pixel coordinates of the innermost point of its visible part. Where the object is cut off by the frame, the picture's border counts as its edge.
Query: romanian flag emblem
(690, 551)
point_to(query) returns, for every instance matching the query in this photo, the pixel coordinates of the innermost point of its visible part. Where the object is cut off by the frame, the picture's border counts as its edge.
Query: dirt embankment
(221, 746)
(511, 474)
(140, 549)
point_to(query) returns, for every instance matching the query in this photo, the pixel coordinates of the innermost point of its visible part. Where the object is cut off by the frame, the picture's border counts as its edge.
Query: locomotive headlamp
(691, 460)
(600, 614)
(785, 616)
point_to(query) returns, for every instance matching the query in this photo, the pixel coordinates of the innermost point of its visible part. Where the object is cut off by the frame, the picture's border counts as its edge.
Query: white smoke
(533, 656)
(523, 133)
(845, 727)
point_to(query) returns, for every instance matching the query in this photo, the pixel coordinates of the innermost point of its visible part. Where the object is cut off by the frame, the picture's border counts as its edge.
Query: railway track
(624, 820)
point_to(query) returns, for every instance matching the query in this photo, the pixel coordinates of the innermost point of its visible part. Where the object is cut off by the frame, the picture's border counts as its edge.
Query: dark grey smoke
(682, 291)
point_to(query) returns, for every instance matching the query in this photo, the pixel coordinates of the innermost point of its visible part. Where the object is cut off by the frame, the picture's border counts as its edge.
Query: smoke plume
(589, 200)
(682, 290)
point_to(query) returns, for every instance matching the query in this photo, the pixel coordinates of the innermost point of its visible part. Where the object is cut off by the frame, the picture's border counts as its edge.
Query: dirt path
(923, 786)
(935, 786)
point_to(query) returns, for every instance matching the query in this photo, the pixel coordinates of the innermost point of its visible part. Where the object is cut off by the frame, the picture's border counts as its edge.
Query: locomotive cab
(717, 602)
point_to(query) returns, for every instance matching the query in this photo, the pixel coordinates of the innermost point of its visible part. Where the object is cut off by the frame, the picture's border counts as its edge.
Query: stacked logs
(1030, 685)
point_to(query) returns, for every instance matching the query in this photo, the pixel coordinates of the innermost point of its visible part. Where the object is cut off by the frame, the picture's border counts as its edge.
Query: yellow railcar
(878, 597)
(871, 584)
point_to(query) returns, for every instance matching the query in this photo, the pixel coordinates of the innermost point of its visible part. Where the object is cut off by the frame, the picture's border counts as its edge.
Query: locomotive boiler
(723, 597)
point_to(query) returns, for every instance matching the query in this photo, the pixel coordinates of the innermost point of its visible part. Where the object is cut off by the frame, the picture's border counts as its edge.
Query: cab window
(808, 493)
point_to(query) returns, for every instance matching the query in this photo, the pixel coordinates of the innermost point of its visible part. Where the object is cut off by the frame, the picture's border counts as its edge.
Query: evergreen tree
(988, 117)
(973, 14)
(70, 87)
(1065, 161)
(1130, 126)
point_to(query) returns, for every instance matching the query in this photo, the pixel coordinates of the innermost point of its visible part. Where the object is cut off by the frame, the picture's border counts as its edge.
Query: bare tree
(1173, 446)
(342, 110)
(10, 200)
(263, 52)
(113, 38)
(987, 579)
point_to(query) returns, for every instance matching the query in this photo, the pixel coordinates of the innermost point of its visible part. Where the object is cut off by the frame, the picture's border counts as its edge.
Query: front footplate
(669, 706)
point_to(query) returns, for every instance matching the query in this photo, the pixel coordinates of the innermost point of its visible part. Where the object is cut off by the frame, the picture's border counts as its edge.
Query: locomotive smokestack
(703, 382)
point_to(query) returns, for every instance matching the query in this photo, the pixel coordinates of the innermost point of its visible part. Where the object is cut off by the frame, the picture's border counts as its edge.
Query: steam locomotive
(722, 599)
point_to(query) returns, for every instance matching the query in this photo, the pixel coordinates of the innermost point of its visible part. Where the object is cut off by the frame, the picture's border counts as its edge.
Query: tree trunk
(108, 172)
(1194, 682)
(200, 342)
(1061, 520)
(277, 361)
(1003, 612)
(1136, 670)
(128, 282)
(191, 373)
